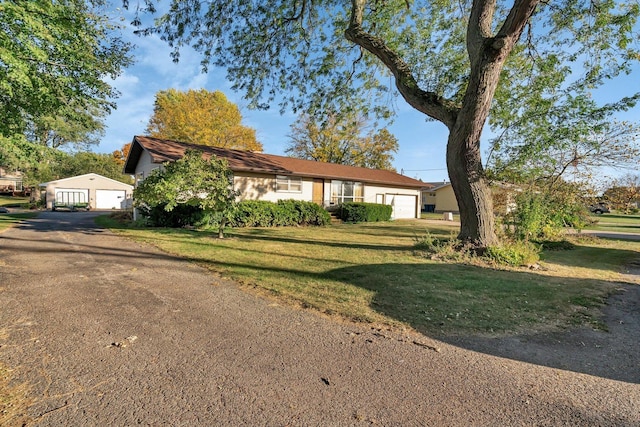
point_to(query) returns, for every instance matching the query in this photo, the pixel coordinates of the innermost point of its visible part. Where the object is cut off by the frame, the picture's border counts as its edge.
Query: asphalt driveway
(107, 331)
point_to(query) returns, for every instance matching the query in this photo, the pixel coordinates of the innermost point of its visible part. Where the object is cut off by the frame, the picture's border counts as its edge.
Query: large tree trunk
(477, 225)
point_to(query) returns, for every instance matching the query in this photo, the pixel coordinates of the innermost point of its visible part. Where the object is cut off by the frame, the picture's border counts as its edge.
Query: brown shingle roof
(162, 150)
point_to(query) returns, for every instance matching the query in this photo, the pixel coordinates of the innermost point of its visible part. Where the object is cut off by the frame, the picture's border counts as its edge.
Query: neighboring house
(89, 191)
(259, 176)
(10, 183)
(441, 198)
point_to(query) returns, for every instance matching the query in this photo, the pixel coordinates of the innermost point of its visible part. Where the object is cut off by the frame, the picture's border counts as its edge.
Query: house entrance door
(318, 191)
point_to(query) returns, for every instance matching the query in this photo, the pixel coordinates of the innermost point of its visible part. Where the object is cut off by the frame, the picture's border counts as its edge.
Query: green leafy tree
(451, 61)
(55, 58)
(37, 163)
(84, 162)
(194, 180)
(573, 140)
(342, 140)
(42, 164)
(200, 117)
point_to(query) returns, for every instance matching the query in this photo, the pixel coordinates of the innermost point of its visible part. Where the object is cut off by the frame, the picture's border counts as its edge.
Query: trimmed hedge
(260, 213)
(365, 212)
(249, 213)
(180, 216)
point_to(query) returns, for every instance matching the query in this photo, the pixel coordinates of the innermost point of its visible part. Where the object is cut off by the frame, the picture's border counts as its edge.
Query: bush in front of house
(260, 213)
(248, 213)
(364, 212)
(180, 216)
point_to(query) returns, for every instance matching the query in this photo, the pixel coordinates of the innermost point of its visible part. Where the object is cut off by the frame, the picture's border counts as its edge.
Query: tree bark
(473, 194)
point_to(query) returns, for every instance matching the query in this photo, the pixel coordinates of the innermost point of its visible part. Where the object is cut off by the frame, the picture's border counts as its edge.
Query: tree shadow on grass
(510, 314)
(501, 313)
(592, 257)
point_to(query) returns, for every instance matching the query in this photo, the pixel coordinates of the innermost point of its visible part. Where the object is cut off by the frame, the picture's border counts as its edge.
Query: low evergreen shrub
(180, 216)
(248, 213)
(284, 213)
(364, 212)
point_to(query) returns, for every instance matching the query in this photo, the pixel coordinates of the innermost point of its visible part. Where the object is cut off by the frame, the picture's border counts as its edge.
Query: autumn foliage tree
(200, 117)
(342, 140)
(624, 192)
(120, 156)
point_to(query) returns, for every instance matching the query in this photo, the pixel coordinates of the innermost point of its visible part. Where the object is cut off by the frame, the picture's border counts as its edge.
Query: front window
(288, 184)
(346, 191)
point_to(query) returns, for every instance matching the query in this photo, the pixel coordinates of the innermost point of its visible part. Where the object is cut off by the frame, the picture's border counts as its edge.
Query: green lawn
(616, 222)
(371, 273)
(437, 216)
(7, 220)
(9, 201)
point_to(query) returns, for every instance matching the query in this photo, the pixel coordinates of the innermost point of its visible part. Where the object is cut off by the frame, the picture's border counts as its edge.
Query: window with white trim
(346, 191)
(288, 184)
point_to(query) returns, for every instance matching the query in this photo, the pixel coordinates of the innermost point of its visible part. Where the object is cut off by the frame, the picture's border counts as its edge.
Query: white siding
(263, 187)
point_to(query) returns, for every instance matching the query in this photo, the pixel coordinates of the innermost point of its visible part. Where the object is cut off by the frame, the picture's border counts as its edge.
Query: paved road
(111, 332)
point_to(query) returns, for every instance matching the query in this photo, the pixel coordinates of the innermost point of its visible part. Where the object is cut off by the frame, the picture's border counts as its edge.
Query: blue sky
(422, 143)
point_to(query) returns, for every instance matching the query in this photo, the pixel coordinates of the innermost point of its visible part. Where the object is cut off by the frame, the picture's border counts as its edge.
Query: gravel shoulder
(107, 331)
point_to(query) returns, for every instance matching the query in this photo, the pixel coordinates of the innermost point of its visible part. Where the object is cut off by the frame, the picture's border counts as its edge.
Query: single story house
(259, 176)
(10, 183)
(89, 191)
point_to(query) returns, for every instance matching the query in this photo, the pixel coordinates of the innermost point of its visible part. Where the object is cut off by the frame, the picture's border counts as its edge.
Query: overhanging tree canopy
(447, 59)
(55, 57)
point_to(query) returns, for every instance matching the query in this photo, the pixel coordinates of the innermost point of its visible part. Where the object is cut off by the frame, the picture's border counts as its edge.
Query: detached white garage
(90, 191)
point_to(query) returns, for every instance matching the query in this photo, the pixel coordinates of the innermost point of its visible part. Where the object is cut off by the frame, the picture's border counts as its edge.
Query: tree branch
(429, 103)
(479, 28)
(518, 17)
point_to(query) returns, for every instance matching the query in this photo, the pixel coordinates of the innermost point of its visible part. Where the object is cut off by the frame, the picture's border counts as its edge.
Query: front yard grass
(371, 273)
(13, 201)
(616, 222)
(7, 220)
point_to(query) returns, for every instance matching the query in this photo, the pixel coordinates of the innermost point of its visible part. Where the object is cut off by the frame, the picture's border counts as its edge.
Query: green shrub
(364, 212)
(443, 248)
(544, 216)
(514, 253)
(248, 213)
(254, 213)
(260, 213)
(180, 216)
(304, 213)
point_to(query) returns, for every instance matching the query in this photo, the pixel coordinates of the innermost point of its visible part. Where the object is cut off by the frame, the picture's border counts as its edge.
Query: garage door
(110, 199)
(404, 206)
(71, 197)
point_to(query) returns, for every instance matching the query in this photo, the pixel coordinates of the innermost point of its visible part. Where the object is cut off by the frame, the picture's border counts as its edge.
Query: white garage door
(404, 206)
(110, 199)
